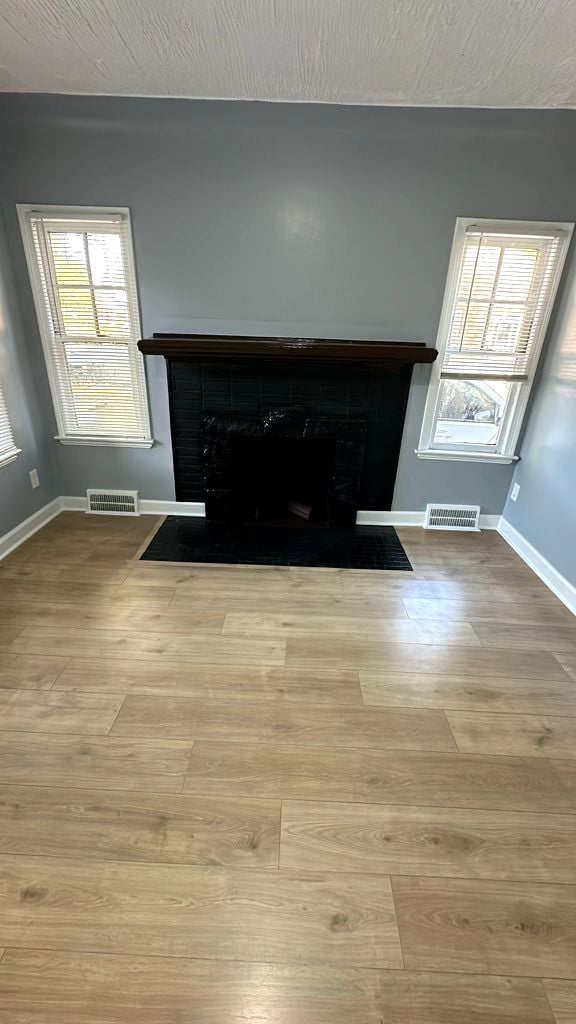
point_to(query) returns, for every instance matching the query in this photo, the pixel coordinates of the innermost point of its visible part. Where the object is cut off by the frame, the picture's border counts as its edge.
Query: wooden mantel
(230, 346)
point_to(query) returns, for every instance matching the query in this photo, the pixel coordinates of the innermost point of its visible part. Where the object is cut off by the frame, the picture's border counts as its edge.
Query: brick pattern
(380, 397)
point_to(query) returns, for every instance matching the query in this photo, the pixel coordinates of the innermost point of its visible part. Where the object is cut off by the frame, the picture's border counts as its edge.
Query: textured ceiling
(436, 52)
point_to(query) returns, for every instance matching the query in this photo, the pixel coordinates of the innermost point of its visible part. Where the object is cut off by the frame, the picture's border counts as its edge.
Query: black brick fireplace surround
(349, 396)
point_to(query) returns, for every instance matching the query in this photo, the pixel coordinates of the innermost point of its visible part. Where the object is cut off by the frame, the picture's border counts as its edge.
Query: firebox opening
(281, 480)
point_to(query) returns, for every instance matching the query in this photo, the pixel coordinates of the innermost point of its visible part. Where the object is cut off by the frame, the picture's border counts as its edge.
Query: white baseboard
(172, 508)
(148, 506)
(554, 580)
(489, 522)
(69, 504)
(371, 518)
(393, 518)
(159, 507)
(12, 540)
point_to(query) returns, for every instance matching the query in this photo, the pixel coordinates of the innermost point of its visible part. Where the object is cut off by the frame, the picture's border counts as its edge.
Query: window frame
(504, 451)
(24, 211)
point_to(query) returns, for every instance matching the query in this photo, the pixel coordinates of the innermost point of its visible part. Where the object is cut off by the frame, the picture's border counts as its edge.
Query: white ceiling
(510, 53)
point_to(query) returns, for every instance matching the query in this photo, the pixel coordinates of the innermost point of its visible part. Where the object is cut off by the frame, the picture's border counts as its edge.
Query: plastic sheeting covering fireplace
(283, 467)
(281, 480)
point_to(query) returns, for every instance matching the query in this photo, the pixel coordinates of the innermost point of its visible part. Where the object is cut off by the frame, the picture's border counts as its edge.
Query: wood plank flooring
(139, 826)
(534, 735)
(84, 713)
(330, 726)
(102, 989)
(466, 693)
(562, 999)
(253, 796)
(486, 927)
(456, 843)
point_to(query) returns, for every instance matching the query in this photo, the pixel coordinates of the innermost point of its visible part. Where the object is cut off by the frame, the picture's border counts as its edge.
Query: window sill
(458, 456)
(9, 456)
(108, 442)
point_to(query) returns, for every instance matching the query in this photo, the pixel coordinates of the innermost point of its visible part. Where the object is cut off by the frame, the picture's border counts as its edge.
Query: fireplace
(282, 466)
(279, 435)
(262, 424)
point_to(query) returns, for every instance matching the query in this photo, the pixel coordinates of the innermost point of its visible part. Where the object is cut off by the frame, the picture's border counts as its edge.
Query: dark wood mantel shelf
(229, 346)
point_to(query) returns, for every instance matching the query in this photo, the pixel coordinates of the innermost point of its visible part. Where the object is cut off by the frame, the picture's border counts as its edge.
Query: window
(501, 286)
(8, 450)
(82, 273)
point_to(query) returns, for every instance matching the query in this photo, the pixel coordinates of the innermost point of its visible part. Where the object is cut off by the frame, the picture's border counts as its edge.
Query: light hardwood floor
(284, 796)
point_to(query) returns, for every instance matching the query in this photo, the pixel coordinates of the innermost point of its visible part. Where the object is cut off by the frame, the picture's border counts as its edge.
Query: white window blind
(505, 286)
(85, 291)
(8, 449)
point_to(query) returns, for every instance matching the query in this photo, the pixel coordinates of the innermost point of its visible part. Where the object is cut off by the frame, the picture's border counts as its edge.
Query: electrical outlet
(514, 492)
(34, 479)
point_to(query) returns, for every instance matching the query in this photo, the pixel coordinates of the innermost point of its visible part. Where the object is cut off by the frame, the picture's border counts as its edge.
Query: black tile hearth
(184, 539)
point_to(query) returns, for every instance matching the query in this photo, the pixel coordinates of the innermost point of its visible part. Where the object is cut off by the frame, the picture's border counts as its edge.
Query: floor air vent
(112, 503)
(452, 517)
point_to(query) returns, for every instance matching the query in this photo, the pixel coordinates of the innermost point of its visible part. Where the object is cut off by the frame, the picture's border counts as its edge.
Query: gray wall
(285, 219)
(27, 414)
(545, 511)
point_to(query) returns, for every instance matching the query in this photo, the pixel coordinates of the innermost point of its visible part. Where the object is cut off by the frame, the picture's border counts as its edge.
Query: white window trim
(511, 429)
(24, 209)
